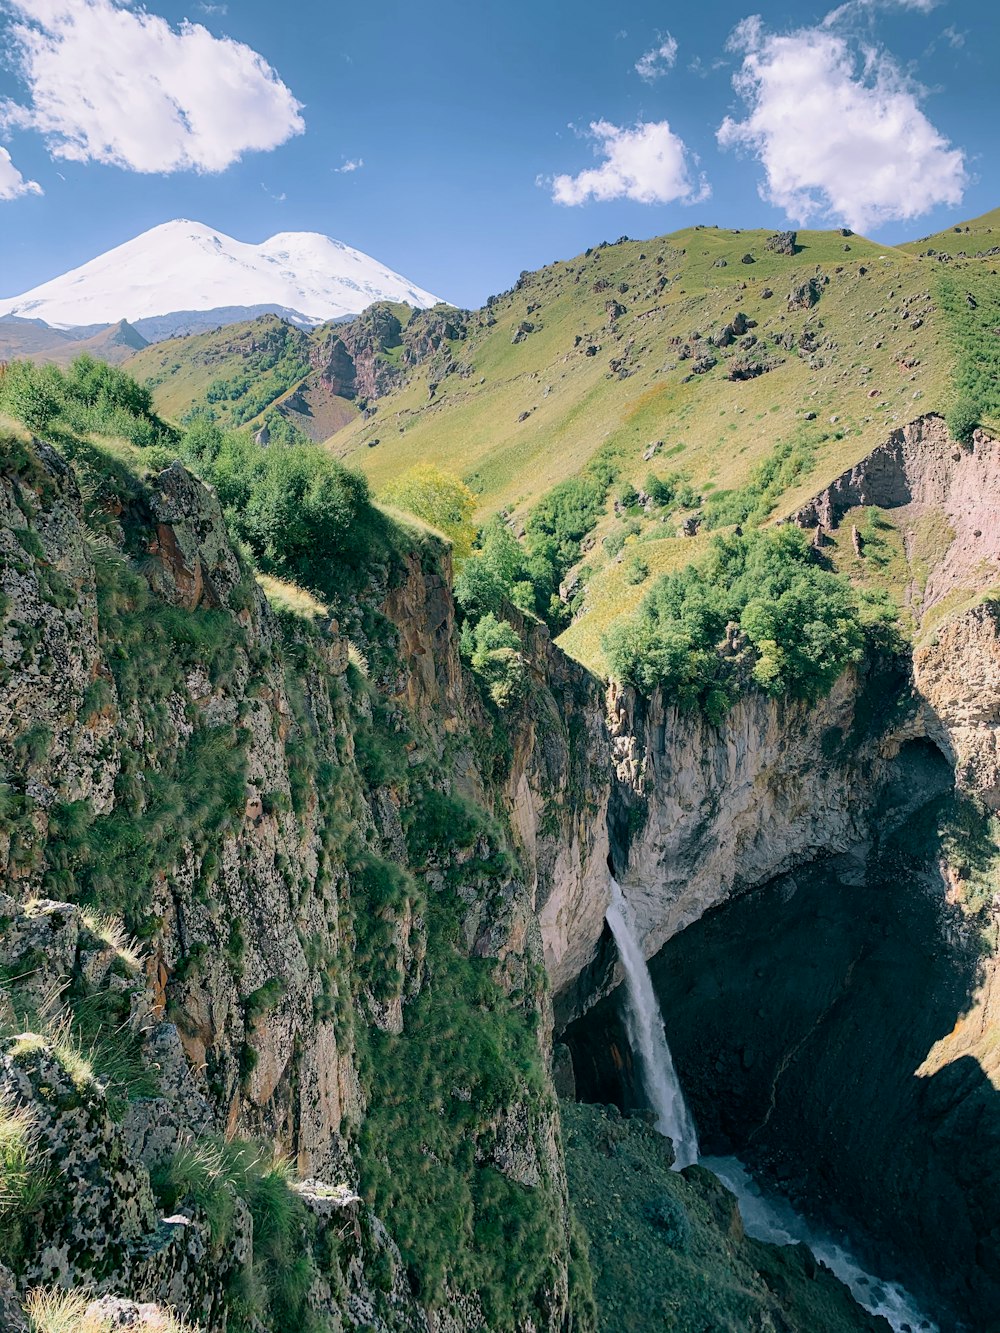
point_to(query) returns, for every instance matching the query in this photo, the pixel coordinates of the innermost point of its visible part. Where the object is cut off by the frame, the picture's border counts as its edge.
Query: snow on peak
(184, 265)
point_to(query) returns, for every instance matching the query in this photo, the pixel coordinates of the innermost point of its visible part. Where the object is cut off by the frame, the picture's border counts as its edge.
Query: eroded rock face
(957, 672)
(243, 1001)
(726, 808)
(942, 495)
(700, 813)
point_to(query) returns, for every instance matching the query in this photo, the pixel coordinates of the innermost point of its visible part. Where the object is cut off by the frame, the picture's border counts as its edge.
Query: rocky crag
(307, 836)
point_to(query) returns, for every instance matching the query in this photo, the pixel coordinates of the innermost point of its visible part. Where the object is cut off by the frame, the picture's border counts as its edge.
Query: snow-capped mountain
(186, 266)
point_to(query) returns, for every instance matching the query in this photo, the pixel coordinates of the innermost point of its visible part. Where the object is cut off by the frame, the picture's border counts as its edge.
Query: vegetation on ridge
(758, 610)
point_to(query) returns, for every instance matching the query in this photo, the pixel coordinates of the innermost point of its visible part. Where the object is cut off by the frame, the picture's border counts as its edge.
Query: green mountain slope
(298, 383)
(711, 354)
(614, 351)
(743, 370)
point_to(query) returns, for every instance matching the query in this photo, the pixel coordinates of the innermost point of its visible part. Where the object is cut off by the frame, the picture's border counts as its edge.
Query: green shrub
(800, 625)
(502, 569)
(494, 651)
(303, 515)
(263, 1000)
(671, 1220)
(636, 569)
(964, 418)
(90, 397)
(210, 1175)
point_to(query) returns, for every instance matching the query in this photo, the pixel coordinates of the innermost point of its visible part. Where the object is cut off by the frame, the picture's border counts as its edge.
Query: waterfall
(644, 1024)
(768, 1219)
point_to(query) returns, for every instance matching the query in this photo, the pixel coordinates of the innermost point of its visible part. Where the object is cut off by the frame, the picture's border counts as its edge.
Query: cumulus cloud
(648, 164)
(352, 164)
(12, 183)
(119, 85)
(658, 61)
(834, 140)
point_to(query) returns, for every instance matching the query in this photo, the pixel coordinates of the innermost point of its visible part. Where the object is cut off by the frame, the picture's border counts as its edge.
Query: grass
(87, 1029)
(54, 1311)
(290, 598)
(211, 1175)
(24, 1182)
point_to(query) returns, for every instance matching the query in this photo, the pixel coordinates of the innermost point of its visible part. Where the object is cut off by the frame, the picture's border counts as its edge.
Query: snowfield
(185, 265)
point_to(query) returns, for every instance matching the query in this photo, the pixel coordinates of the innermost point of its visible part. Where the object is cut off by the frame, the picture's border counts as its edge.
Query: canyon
(372, 916)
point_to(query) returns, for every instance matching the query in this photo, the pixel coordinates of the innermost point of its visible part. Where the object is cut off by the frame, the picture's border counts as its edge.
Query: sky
(460, 143)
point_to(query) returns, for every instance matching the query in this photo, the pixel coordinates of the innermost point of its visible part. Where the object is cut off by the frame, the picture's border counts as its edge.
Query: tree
(439, 498)
(964, 417)
(30, 395)
(496, 658)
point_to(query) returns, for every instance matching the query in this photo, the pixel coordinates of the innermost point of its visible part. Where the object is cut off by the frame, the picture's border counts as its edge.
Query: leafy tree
(493, 572)
(757, 611)
(30, 395)
(964, 418)
(439, 498)
(494, 649)
(303, 515)
(98, 384)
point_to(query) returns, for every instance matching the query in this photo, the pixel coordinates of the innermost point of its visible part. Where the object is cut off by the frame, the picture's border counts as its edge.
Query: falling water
(770, 1219)
(644, 1024)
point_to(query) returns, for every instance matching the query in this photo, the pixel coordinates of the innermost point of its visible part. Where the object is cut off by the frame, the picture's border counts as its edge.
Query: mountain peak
(184, 265)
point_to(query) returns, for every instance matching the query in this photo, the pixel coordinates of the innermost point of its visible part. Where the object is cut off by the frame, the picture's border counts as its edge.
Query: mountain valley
(346, 661)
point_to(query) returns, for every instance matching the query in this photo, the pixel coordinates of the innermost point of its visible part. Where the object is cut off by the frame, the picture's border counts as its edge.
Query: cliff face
(716, 811)
(819, 887)
(940, 494)
(349, 875)
(316, 865)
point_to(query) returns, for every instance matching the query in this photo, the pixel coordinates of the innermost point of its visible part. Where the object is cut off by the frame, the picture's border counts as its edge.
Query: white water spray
(644, 1024)
(769, 1219)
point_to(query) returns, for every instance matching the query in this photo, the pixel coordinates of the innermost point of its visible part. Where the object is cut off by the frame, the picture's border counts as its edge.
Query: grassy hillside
(843, 340)
(637, 386)
(745, 369)
(237, 370)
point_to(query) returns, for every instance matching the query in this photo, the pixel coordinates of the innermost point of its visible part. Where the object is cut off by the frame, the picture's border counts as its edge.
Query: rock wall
(710, 812)
(921, 474)
(176, 754)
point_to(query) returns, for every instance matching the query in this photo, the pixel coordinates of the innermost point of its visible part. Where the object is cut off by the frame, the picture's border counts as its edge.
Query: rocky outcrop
(941, 495)
(176, 755)
(957, 673)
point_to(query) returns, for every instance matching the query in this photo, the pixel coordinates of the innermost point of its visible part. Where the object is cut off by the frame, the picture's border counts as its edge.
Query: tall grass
(53, 1311)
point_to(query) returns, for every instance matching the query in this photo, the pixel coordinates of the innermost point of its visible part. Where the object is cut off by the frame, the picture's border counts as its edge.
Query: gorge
(311, 1005)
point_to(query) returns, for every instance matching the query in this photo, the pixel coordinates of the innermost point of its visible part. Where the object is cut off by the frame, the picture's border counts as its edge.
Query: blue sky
(488, 137)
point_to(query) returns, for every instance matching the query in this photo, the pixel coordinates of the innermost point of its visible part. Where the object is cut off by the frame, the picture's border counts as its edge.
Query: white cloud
(120, 86)
(659, 61)
(12, 183)
(856, 8)
(351, 164)
(648, 164)
(834, 142)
